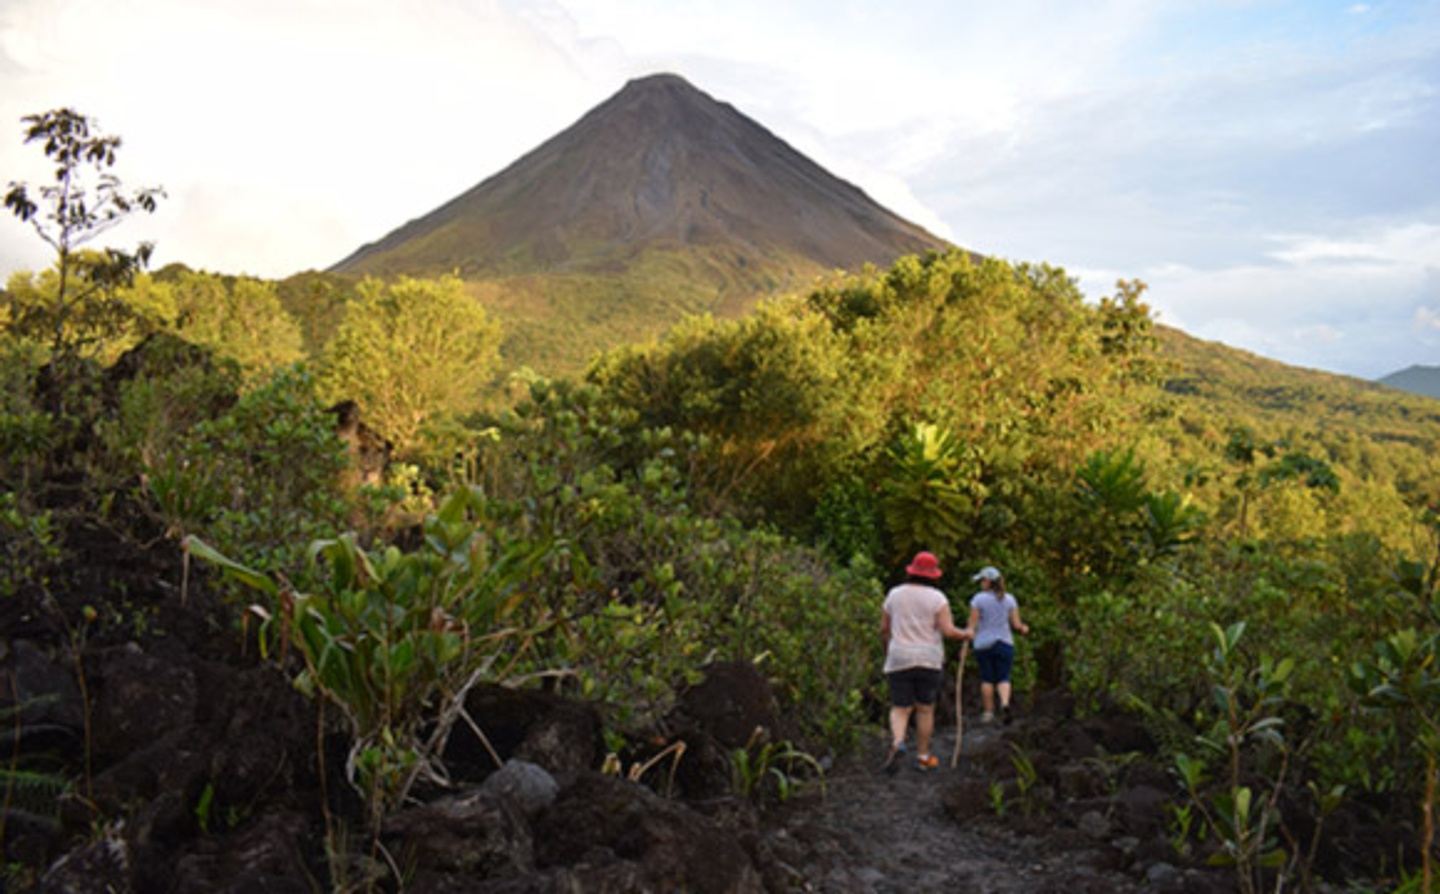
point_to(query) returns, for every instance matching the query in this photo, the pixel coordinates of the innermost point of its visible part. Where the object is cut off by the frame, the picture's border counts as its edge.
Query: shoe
(925, 762)
(893, 758)
(1005, 714)
(987, 717)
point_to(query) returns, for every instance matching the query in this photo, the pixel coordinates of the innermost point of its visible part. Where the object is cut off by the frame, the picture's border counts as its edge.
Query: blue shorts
(995, 662)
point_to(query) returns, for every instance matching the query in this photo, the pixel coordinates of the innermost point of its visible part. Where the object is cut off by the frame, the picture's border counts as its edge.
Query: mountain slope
(658, 202)
(1376, 431)
(1415, 379)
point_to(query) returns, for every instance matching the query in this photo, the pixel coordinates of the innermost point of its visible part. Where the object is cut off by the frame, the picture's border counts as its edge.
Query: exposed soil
(874, 833)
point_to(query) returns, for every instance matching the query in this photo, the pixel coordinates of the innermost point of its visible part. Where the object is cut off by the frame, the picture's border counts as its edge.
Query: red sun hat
(924, 565)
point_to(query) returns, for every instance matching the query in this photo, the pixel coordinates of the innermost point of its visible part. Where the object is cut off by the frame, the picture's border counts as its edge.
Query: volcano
(660, 201)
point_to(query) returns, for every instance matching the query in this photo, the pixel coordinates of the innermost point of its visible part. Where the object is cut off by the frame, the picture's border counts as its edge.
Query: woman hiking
(913, 621)
(994, 614)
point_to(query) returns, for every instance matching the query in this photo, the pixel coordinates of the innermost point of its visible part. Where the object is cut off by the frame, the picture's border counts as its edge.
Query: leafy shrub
(396, 639)
(649, 591)
(28, 545)
(258, 476)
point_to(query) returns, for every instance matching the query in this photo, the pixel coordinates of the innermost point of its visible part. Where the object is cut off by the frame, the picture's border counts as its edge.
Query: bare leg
(924, 727)
(987, 697)
(899, 723)
(1004, 690)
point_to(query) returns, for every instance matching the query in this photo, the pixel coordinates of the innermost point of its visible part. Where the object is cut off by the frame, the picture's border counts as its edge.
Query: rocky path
(875, 833)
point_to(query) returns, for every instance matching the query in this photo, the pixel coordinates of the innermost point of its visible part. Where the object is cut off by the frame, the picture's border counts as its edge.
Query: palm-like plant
(931, 492)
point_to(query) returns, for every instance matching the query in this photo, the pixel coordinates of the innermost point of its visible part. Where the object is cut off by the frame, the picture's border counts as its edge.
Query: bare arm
(945, 623)
(974, 623)
(1017, 624)
(885, 626)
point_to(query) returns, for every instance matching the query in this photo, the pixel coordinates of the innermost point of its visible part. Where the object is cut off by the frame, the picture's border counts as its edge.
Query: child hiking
(994, 614)
(915, 618)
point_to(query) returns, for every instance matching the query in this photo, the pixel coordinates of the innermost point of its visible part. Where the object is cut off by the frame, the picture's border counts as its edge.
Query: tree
(243, 320)
(84, 201)
(410, 350)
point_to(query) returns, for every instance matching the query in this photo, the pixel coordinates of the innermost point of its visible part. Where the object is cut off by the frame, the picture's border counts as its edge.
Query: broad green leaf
(247, 576)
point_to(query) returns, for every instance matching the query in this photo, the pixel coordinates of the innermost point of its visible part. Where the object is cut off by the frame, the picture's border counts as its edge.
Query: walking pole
(959, 704)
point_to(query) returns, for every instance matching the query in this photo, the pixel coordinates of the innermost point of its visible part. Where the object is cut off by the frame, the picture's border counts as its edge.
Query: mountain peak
(658, 80)
(659, 165)
(659, 201)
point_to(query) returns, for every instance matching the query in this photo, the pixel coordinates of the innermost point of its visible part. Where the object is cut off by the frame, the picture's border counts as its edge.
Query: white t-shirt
(914, 639)
(994, 626)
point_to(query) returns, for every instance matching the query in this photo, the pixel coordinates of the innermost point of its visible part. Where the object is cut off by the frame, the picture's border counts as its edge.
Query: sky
(1270, 168)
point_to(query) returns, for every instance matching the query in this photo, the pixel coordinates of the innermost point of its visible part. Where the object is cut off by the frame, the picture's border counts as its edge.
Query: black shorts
(914, 685)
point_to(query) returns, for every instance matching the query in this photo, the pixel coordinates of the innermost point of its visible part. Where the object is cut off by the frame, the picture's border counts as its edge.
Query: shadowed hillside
(1415, 379)
(661, 201)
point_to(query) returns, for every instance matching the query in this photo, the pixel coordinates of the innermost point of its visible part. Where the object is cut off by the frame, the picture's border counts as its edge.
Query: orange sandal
(926, 762)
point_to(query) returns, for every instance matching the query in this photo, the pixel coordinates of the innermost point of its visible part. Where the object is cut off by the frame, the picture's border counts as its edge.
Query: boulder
(967, 799)
(42, 688)
(262, 733)
(729, 704)
(599, 822)
(528, 786)
(104, 864)
(476, 833)
(1141, 810)
(267, 854)
(550, 731)
(138, 698)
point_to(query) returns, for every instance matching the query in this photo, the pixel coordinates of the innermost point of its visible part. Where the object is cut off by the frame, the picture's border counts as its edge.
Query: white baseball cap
(989, 572)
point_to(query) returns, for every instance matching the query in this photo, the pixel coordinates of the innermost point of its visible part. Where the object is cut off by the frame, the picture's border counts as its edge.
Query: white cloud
(1412, 244)
(288, 134)
(1426, 320)
(1325, 302)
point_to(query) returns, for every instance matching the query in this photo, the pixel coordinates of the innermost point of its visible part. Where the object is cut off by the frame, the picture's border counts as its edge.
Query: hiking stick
(959, 704)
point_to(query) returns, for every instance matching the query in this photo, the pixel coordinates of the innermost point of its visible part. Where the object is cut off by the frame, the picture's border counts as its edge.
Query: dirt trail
(874, 834)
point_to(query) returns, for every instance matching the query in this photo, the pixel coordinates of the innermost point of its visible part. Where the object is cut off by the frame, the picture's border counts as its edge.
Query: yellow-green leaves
(409, 352)
(241, 319)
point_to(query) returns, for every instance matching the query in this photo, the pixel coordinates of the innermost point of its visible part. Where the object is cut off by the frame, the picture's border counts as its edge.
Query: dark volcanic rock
(599, 821)
(102, 864)
(558, 734)
(478, 834)
(529, 787)
(42, 689)
(1141, 809)
(730, 703)
(967, 799)
(266, 855)
(1118, 733)
(138, 696)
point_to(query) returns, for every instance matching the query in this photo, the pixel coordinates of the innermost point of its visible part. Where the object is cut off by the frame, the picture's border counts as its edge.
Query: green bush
(28, 545)
(258, 476)
(649, 591)
(396, 639)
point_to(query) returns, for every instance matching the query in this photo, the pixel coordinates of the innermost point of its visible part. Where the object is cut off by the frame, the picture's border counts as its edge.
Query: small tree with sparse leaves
(81, 307)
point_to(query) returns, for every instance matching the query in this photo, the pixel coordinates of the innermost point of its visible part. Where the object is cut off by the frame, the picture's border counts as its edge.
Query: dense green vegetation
(1247, 553)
